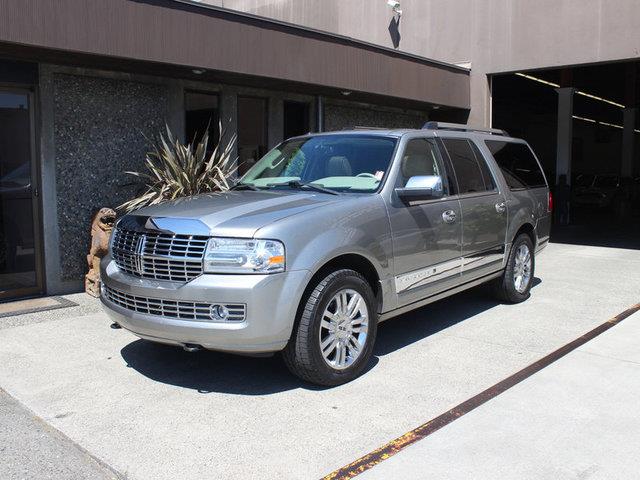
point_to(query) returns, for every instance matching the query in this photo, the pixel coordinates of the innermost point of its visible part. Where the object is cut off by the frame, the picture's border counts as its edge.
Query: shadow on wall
(394, 31)
(209, 372)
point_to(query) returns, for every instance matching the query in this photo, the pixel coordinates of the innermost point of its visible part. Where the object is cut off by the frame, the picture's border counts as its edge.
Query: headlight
(243, 255)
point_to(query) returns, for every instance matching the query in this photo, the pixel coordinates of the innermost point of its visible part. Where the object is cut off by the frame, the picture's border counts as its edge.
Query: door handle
(501, 207)
(449, 216)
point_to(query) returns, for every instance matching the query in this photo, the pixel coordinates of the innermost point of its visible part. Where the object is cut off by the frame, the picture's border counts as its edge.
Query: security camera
(395, 6)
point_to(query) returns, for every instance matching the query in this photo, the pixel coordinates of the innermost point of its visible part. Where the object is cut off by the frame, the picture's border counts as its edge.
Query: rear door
(426, 236)
(528, 194)
(484, 209)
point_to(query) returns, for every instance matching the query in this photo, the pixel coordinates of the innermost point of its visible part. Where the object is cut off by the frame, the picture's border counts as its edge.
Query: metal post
(319, 113)
(628, 141)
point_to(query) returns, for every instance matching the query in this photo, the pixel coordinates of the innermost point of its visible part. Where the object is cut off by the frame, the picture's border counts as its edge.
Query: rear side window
(518, 165)
(471, 171)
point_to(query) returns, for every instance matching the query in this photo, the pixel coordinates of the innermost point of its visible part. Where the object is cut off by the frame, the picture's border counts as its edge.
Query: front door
(427, 236)
(19, 247)
(484, 210)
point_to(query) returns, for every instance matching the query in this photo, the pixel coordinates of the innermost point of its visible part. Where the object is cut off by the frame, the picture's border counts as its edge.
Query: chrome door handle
(449, 216)
(501, 207)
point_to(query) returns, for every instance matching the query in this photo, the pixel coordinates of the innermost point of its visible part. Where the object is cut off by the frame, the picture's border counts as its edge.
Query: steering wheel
(366, 174)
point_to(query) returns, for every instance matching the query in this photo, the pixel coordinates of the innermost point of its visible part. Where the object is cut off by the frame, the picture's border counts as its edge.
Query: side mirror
(421, 188)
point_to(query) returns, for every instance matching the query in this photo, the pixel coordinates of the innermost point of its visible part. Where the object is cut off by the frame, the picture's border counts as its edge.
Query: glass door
(20, 273)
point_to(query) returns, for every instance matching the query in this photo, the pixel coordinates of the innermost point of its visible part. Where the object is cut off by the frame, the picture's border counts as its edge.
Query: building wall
(100, 126)
(493, 35)
(94, 126)
(339, 116)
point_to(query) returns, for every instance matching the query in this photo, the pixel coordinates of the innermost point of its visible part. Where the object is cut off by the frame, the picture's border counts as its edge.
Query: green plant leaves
(175, 170)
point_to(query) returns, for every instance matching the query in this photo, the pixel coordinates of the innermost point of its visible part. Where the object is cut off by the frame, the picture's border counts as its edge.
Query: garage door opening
(584, 124)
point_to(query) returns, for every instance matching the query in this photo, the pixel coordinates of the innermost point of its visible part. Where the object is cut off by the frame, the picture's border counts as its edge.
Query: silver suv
(326, 236)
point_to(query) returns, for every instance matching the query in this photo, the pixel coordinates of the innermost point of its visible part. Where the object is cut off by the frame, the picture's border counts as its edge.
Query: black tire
(303, 355)
(505, 286)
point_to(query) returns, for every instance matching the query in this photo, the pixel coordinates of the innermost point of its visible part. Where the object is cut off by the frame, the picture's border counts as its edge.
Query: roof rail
(364, 127)
(462, 128)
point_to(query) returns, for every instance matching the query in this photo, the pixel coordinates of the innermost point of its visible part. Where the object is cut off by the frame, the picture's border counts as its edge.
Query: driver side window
(421, 157)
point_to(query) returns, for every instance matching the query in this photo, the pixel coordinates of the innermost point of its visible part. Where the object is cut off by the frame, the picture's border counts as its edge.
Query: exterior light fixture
(579, 92)
(198, 71)
(346, 93)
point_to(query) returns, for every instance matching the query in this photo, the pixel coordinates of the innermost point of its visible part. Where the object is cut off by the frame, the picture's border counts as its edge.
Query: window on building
(469, 172)
(519, 167)
(252, 131)
(201, 114)
(296, 119)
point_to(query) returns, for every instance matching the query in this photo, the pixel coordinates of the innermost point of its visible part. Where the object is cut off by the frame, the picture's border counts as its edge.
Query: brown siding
(169, 32)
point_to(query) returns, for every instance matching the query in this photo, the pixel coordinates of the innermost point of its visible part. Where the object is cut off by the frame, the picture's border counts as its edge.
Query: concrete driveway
(151, 411)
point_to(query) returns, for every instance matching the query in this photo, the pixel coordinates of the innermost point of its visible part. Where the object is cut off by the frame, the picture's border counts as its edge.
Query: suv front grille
(198, 311)
(160, 256)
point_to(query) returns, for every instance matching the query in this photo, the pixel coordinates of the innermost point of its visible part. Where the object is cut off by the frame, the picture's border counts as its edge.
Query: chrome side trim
(483, 258)
(439, 296)
(424, 276)
(440, 271)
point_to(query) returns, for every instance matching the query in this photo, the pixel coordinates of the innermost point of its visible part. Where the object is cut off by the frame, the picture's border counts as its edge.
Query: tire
(507, 287)
(304, 356)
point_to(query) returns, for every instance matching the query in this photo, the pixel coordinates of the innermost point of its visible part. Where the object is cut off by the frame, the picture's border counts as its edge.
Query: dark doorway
(600, 198)
(20, 273)
(296, 119)
(252, 131)
(201, 114)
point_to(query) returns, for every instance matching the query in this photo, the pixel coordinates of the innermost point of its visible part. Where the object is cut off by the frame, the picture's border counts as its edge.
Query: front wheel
(515, 284)
(335, 332)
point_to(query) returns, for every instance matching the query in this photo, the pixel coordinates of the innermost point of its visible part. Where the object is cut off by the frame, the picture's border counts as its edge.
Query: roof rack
(462, 128)
(364, 127)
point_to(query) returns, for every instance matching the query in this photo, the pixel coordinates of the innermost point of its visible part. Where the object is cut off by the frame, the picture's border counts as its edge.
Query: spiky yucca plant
(175, 170)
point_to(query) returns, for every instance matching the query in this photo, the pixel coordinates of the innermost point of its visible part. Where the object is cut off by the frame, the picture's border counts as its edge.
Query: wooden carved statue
(101, 227)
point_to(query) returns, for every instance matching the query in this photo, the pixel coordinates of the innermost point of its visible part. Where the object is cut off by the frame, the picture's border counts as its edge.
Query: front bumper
(271, 300)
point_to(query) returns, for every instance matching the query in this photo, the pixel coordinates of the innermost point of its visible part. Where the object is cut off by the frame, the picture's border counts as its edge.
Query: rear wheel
(335, 332)
(515, 284)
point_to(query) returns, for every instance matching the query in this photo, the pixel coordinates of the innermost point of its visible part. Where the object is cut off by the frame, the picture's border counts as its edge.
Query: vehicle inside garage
(583, 124)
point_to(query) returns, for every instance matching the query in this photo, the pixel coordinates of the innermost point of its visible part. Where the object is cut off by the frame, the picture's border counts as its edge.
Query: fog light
(218, 312)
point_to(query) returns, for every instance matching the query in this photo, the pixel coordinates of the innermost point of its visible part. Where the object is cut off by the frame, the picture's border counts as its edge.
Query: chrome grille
(197, 311)
(160, 256)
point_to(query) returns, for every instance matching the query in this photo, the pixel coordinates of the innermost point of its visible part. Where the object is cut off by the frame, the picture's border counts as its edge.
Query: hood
(238, 213)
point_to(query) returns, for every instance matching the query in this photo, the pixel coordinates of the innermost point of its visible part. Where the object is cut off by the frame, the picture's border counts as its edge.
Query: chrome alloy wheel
(522, 269)
(343, 329)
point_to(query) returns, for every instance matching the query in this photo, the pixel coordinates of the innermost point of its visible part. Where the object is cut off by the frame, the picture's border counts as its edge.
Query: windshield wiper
(244, 186)
(300, 185)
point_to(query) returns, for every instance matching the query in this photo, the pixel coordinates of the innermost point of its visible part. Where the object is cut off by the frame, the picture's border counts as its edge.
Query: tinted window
(420, 157)
(518, 165)
(468, 172)
(484, 168)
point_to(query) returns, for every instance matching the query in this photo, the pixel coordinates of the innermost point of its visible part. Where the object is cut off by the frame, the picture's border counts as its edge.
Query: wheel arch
(352, 261)
(528, 229)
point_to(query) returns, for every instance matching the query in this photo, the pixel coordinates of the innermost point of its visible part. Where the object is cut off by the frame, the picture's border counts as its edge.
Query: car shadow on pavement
(209, 372)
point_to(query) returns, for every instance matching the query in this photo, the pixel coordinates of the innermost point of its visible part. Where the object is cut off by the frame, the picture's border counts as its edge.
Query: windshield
(343, 163)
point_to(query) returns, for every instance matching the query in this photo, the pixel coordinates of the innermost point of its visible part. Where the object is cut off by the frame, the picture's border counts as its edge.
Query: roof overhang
(174, 35)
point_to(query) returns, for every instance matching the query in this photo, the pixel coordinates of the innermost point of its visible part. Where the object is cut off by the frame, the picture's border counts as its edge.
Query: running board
(438, 296)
